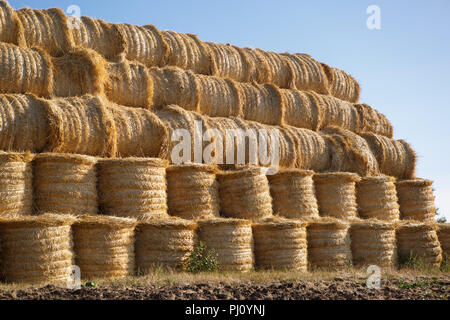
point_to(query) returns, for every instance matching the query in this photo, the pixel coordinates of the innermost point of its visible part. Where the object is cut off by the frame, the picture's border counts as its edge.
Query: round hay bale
(139, 132)
(418, 243)
(104, 246)
(289, 145)
(36, 249)
(444, 239)
(132, 187)
(16, 185)
(245, 194)
(78, 72)
(373, 121)
(338, 113)
(377, 198)
(173, 85)
(307, 73)
(65, 183)
(47, 29)
(229, 62)
(280, 244)
(395, 157)
(328, 244)
(373, 243)
(261, 70)
(219, 97)
(232, 241)
(302, 109)
(81, 125)
(144, 44)
(192, 191)
(164, 242)
(23, 123)
(25, 70)
(129, 84)
(293, 194)
(281, 70)
(416, 200)
(262, 103)
(342, 85)
(105, 38)
(336, 194)
(313, 152)
(11, 28)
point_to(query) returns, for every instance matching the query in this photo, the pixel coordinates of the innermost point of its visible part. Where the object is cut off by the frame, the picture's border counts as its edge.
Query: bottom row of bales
(38, 249)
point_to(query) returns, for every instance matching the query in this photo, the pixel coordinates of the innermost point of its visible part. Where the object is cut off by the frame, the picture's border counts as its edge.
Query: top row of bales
(56, 33)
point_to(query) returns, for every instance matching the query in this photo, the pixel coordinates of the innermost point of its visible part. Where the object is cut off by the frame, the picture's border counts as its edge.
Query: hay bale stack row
(444, 240)
(416, 200)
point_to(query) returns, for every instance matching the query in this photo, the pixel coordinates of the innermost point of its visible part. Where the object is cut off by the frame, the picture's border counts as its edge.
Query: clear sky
(403, 68)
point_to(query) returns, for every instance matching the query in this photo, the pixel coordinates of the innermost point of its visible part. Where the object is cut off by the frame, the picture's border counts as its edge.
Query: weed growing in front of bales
(202, 260)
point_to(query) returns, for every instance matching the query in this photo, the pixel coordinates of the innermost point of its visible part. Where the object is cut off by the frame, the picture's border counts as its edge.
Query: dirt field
(253, 286)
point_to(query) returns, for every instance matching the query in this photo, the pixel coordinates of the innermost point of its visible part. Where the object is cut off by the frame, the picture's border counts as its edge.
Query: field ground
(259, 285)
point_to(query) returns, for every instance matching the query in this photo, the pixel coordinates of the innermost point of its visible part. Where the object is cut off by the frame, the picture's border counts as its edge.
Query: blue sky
(403, 68)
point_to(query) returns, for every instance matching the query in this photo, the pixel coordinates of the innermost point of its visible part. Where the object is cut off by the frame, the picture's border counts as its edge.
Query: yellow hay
(11, 28)
(373, 121)
(444, 239)
(416, 200)
(342, 85)
(302, 109)
(281, 70)
(229, 62)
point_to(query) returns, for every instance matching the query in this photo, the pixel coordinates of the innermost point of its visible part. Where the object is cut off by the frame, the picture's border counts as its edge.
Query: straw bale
(336, 194)
(281, 69)
(329, 244)
(444, 239)
(11, 28)
(36, 249)
(24, 70)
(230, 62)
(132, 187)
(81, 125)
(373, 121)
(105, 38)
(104, 246)
(47, 29)
(164, 242)
(419, 241)
(342, 85)
(293, 194)
(302, 109)
(23, 123)
(139, 132)
(416, 200)
(232, 241)
(16, 185)
(313, 151)
(289, 146)
(280, 244)
(374, 243)
(65, 183)
(245, 194)
(261, 71)
(144, 44)
(192, 191)
(395, 157)
(308, 74)
(338, 113)
(377, 198)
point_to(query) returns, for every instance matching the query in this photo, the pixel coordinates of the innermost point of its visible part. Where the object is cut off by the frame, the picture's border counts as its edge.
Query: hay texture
(132, 187)
(342, 85)
(280, 244)
(36, 249)
(370, 120)
(245, 194)
(395, 157)
(293, 194)
(11, 28)
(377, 198)
(24, 70)
(301, 109)
(193, 191)
(81, 125)
(281, 70)
(336, 194)
(416, 200)
(164, 243)
(232, 241)
(419, 242)
(23, 123)
(16, 185)
(373, 243)
(104, 246)
(229, 62)
(65, 183)
(329, 244)
(444, 239)
(261, 71)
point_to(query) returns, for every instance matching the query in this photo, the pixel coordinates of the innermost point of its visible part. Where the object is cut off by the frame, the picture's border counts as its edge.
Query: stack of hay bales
(293, 194)
(16, 185)
(444, 239)
(36, 249)
(416, 200)
(280, 244)
(132, 187)
(192, 191)
(164, 243)
(104, 246)
(377, 198)
(245, 194)
(65, 183)
(232, 241)
(374, 243)
(336, 194)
